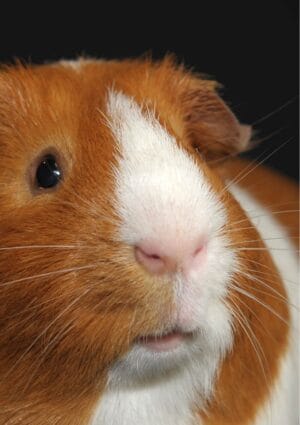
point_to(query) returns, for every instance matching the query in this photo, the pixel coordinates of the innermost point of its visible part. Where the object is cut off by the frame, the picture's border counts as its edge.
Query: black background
(251, 47)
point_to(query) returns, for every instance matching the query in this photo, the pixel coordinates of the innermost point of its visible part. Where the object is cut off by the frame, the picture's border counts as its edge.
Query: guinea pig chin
(173, 220)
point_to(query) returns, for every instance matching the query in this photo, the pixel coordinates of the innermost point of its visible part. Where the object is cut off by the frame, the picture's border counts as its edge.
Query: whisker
(278, 296)
(270, 207)
(11, 248)
(259, 346)
(283, 212)
(261, 264)
(240, 177)
(240, 317)
(256, 316)
(44, 331)
(79, 247)
(53, 273)
(238, 229)
(261, 239)
(292, 325)
(243, 171)
(59, 336)
(33, 307)
(252, 297)
(270, 273)
(263, 215)
(258, 141)
(262, 119)
(256, 279)
(268, 249)
(253, 144)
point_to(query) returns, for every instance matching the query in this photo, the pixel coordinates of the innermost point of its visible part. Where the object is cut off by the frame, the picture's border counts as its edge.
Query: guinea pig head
(115, 258)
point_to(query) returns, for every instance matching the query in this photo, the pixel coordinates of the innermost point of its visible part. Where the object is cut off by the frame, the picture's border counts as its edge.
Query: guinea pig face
(114, 226)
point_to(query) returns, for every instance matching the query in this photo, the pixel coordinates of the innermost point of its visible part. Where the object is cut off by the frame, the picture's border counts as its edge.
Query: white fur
(283, 406)
(162, 195)
(77, 64)
(160, 189)
(171, 396)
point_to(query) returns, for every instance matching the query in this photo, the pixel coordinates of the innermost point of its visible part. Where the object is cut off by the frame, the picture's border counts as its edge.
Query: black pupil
(48, 173)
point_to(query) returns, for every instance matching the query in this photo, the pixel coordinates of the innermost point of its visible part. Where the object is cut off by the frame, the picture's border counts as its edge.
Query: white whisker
(264, 215)
(270, 114)
(277, 295)
(268, 249)
(241, 176)
(252, 297)
(240, 317)
(47, 274)
(269, 274)
(261, 239)
(11, 248)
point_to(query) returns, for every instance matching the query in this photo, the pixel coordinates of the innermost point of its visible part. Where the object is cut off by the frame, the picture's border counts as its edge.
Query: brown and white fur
(155, 230)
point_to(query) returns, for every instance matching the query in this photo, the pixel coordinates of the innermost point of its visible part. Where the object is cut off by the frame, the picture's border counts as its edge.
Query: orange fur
(60, 332)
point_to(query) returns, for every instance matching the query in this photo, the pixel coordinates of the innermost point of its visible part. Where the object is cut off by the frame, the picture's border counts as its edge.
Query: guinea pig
(147, 274)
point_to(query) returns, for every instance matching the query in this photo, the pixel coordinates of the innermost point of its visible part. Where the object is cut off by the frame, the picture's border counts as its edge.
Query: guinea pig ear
(211, 126)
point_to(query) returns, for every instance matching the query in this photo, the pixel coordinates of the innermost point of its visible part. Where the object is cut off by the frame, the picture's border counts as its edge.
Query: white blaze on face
(162, 195)
(161, 191)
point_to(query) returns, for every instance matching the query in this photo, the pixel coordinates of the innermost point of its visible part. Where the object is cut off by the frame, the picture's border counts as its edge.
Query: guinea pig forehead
(152, 169)
(138, 131)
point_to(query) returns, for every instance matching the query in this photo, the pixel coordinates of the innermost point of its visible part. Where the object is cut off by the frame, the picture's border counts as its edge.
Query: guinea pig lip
(155, 340)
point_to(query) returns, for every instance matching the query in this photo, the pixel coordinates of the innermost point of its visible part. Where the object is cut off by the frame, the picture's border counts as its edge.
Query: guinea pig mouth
(165, 342)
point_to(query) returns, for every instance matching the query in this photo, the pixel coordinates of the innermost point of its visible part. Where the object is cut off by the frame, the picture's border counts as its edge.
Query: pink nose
(158, 260)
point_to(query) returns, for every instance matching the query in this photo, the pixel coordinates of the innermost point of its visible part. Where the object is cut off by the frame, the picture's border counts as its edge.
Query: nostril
(194, 261)
(150, 260)
(198, 251)
(142, 255)
(154, 256)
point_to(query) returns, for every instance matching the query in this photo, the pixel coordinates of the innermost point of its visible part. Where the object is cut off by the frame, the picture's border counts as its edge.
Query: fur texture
(158, 200)
(141, 147)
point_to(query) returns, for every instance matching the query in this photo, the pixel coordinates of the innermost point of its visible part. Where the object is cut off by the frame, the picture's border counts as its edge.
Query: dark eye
(48, 173)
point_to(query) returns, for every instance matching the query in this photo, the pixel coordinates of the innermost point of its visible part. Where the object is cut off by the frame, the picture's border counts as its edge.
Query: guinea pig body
(141, 280)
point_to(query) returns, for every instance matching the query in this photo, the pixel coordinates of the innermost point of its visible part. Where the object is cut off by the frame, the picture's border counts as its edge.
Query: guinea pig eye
(48, 173)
